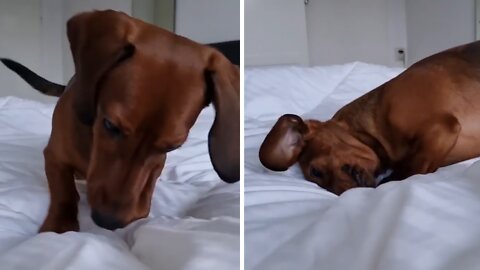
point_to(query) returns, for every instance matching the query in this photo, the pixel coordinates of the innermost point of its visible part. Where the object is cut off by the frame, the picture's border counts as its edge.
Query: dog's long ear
(99, 41)
(223, 84)
(284, 143)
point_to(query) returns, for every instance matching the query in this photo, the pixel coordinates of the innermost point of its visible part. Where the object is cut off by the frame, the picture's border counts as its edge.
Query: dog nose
(106, 221)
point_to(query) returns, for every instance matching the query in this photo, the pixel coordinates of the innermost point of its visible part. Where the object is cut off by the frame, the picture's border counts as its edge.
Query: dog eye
(111, 128)
(316, 173)
(346, 168)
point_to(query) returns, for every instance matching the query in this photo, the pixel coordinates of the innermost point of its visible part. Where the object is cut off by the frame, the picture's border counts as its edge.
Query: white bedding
(428, 222)
(193, 224)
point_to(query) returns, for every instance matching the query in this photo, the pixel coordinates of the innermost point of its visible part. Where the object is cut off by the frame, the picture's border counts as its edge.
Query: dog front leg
(430, 148)
(63, 210)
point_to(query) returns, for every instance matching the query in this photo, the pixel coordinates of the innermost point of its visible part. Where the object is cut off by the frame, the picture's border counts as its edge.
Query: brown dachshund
(136, 92)
(425, 118)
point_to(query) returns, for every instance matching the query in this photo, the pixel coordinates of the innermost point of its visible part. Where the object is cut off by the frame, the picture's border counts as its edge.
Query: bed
(424, 222)
(193, 224)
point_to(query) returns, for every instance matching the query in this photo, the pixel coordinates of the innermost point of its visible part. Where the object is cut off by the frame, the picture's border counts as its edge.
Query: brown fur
(151, 85)
(425, 118)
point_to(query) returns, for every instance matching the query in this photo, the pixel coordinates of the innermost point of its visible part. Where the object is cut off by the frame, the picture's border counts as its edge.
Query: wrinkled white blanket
(428, 222)
(193, 224)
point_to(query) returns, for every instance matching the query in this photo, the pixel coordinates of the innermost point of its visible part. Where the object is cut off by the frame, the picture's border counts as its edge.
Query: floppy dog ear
(223, 84)
(99, 40)
(284, 143)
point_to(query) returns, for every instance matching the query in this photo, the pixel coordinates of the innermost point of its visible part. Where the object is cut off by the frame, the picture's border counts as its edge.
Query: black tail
(37, 82)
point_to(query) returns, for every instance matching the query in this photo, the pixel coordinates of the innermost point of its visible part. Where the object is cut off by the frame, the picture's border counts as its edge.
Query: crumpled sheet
(194, 220)
(426, 222)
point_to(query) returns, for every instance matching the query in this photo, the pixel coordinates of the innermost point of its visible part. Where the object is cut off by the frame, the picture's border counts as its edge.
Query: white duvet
(193, 224)
(427, 222)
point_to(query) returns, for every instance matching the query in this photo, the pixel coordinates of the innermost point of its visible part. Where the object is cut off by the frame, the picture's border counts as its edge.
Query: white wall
(158, 12)
(275, 32)
(435, 25)
(372, 31)
(34, 34)
(208, 21)
(52, 33)
(144, 10)
(341, 31)
(56, 49)
(21, 40)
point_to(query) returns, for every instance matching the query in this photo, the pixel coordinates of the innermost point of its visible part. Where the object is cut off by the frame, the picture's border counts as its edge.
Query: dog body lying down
(425, 118)
(136, 92)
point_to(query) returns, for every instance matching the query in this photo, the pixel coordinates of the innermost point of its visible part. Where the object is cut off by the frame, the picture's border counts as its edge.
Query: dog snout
(353, 173)
(359, 176)
(107, 221)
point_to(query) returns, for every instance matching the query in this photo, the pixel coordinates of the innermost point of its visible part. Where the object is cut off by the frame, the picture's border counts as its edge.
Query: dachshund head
(328, 154)
(141, 89)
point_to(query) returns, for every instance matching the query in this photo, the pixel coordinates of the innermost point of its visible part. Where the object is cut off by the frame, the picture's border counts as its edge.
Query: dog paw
(59, 224)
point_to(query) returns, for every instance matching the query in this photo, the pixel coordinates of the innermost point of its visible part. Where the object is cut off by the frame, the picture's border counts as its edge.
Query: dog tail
(44, 86)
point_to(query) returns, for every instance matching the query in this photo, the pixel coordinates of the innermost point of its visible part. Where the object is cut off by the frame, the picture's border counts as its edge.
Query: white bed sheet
(193, 224)
(426, 222)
